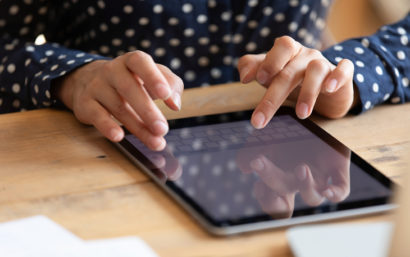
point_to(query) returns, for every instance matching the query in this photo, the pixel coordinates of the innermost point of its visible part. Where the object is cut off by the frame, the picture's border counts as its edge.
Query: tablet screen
(232, 173)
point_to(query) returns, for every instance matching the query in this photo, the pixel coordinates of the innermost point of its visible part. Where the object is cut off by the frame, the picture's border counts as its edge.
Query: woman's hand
(123, 88)
(290, 70)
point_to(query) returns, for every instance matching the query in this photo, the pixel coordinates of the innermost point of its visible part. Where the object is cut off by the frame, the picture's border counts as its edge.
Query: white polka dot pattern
(382, 64)
(201, 41)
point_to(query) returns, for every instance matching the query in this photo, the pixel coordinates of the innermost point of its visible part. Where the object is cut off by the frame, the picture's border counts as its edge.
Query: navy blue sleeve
(382, 64)
(26, 69)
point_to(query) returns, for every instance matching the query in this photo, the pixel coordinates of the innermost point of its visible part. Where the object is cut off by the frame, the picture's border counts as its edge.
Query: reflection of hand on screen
(276, 190)
(308, 167)
(165, 162)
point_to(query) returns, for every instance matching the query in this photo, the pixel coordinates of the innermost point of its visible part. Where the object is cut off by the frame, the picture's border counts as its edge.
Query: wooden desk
(53, 165)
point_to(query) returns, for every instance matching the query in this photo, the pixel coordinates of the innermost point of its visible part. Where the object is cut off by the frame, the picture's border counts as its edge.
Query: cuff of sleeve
(370, 75)
(59, 62)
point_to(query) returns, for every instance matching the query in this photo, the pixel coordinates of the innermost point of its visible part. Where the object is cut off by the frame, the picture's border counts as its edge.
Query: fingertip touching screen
(231, 173)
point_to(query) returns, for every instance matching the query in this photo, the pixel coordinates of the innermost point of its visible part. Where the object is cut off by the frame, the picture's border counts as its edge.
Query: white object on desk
(341, 240)
(40, 236)
(26, 236)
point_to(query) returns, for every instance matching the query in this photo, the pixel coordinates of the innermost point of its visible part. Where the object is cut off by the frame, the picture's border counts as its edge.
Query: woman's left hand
(290, 70)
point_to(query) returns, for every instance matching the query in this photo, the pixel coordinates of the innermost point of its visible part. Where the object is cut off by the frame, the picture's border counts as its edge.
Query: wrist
(61, 90)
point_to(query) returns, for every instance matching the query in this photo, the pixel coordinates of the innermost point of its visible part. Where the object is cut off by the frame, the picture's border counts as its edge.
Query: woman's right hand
(124, 88)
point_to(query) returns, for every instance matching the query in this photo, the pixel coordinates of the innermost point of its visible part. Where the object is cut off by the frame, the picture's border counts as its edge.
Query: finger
(177, 87)
(142, 65)
(136, 96)
(167, 164)
(174, 173)
(316, 72)
(173, 168)
(340, 76)
(336, 194)
(272, 175)
(124, 113)
(307, 186)
(278, 206)
(244, 158)
(95, 114)
(284, 49)
(279, 89)
(248, 66)
(157, 160)
(338, 185)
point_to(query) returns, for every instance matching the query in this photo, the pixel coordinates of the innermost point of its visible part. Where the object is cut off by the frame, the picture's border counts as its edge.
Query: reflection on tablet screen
(233, 172)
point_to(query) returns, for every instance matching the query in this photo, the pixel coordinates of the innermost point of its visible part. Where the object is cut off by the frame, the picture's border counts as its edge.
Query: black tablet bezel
(222, 226)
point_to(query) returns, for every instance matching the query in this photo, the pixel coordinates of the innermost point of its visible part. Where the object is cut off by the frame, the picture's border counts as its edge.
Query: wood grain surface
(51, 164)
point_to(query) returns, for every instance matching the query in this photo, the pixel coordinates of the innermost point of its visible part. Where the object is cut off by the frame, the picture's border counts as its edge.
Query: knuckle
(318, 65)
(272, 66)
(108, 67)
(342, 73)
(347, 62)
(313, 52)
(286, 42)
(163, 68)
(348, 65)
(137, 57)
(245, 59)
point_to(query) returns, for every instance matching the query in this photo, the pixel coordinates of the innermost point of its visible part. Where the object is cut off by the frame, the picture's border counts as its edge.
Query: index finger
(142, 65)
(279, 89)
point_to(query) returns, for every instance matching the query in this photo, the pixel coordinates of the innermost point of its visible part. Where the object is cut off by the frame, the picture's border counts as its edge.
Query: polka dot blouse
(199, 40)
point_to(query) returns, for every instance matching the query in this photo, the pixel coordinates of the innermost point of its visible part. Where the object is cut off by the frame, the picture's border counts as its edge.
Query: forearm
(27, 71)
(382, 64)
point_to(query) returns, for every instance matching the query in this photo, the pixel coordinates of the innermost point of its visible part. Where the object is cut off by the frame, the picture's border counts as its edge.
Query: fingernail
(163, 91)
(160, 127)
(176, 98)
(159, 145)
(331, 86)
(115, 135)
(302, 110)
(262, 77)
(258, 120)
(243, 74)
(257, 164)
(156, 159)
(328, 193)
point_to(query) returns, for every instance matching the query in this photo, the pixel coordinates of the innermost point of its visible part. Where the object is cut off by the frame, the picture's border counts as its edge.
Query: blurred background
(353, 18)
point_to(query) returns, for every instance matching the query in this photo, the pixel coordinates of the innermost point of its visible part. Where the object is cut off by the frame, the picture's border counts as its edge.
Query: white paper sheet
(40, 236)
(341, 240)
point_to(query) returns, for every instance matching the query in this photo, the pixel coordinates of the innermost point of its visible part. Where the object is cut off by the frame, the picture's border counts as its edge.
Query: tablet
(233, 178)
